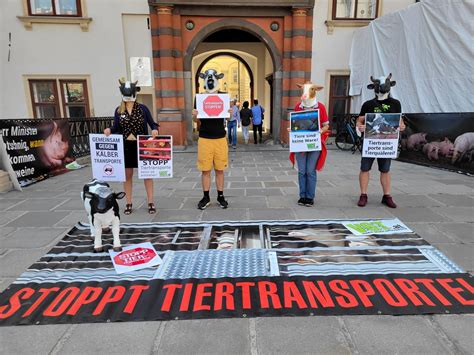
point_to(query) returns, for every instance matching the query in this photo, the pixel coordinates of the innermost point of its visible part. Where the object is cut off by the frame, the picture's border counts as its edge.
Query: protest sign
(381, 135)
(155, 157)
(213, 105)
(305, 135)
(135, 257)
(107, 158)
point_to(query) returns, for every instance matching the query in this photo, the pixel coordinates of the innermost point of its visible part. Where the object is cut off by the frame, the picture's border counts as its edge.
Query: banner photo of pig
(443, 140)
(37, 148)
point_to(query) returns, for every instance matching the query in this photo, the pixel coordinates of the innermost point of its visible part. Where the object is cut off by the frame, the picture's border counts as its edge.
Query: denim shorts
(383, 163)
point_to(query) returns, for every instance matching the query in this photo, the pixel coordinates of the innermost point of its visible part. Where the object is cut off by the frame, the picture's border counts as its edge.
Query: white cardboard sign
(155, 157)
(107, 158)
(381, 135)
(305, 135)
(382, 226)
(135, 257)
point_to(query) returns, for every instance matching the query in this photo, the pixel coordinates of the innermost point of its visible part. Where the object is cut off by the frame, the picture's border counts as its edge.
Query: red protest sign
(213, 105)
(136, 256)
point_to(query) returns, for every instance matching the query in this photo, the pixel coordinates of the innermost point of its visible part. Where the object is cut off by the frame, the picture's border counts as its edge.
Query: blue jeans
(307, 175)
(232, 132)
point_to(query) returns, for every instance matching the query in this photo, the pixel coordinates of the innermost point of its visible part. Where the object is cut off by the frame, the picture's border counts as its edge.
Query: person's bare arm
(195, 119)
(360, 124)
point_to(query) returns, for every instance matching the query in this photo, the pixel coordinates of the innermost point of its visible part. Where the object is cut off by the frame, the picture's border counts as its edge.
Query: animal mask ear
(120, 195)
(202, 75)
(371, 86)
(318, 87)
(372, 79)
(220, 76)
(389, 76)
(393, 83)
(137, 89)
(300, 85)
(88, 195)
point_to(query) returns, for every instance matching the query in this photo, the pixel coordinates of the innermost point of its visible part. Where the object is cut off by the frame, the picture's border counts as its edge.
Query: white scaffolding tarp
(429, 48)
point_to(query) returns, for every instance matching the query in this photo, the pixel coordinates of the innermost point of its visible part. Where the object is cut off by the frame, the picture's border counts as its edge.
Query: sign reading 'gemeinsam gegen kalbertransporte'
(107, 157)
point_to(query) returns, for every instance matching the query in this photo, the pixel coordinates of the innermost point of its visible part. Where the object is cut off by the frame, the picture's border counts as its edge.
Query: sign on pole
(155, 157)
(213, 105)
(381, 135)
(305, 135)
(107, 158)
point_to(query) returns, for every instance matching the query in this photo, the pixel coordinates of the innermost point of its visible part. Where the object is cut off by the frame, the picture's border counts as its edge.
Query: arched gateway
(178, 28)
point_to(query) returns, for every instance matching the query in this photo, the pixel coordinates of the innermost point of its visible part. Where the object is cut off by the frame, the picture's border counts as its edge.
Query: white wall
(64, 49)
(331, 51)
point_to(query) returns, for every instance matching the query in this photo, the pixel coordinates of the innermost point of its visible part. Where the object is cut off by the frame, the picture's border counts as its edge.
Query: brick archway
(178, 28)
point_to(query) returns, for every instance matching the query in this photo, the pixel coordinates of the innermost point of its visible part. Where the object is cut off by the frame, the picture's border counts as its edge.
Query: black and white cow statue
(381, 86)
(102, 208)
(211, 80)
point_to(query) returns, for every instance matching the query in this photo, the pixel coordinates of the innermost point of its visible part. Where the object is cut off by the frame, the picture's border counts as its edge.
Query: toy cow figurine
(101, 205)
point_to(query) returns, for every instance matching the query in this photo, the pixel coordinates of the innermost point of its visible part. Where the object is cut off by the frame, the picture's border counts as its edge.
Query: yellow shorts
(212, 153)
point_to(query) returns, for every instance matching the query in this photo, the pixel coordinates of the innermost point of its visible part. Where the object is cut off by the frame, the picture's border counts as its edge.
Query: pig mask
(381, 86)
(129, 90)
(308, 98)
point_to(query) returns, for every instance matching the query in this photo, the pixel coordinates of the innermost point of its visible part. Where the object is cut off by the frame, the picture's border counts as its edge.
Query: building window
(74, 95)
(355, 9)
(47, 103)
(54, 8)
(339, 99)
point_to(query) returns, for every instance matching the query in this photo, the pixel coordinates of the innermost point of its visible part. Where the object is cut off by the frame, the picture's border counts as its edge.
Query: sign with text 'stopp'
(135, 257)
(107, 158)
(305, 135)
(381, 135)
(213, 105)
(155, 157)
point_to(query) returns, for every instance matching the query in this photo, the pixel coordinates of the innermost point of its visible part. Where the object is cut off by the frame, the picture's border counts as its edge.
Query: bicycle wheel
(344, 141)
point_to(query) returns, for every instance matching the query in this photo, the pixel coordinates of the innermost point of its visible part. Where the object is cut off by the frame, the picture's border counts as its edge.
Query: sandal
(128, 208)
(151, 208)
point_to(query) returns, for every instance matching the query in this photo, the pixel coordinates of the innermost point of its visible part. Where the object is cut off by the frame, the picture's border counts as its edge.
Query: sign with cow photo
(305, 135)
(213, 105)
(155, 157)
(107, 158)
(381, 135)
(135, 257)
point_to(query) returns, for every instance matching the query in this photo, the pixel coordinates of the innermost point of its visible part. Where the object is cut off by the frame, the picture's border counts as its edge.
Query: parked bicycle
(346, 137)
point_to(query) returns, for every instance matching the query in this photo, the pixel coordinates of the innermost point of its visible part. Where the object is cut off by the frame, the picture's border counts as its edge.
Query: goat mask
(308, 97)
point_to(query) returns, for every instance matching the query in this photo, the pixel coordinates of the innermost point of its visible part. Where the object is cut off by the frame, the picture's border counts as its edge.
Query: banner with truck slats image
(37, 149)
(441, 140)
(241, 269)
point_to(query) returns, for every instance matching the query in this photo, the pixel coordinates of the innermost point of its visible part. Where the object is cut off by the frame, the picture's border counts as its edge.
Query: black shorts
(383, 163)
(131, 154)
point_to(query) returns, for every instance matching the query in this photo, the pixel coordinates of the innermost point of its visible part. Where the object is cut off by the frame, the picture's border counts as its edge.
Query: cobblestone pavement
(260, 184)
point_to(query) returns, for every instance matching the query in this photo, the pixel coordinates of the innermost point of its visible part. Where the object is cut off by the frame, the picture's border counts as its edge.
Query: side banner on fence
(37, 149)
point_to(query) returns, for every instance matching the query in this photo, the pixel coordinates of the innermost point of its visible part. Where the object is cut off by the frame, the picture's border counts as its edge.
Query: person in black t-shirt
(382, 103)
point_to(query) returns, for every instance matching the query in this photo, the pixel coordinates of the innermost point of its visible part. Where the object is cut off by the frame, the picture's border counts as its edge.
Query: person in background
(131, 119)
(246, 120)
(232, 124)
(257, 122)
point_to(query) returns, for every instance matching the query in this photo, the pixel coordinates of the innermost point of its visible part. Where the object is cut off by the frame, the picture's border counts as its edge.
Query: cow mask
(211, 80)
(129, 90)
(381, 86)
(308, 98)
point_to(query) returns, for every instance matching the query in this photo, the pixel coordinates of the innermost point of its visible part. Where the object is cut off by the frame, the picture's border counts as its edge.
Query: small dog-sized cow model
(101, 205)
(381, 86)
(211, 80)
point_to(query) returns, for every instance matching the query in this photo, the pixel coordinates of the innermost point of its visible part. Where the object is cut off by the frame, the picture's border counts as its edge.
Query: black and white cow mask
(381, 86)
(211, 80)
(129, 90)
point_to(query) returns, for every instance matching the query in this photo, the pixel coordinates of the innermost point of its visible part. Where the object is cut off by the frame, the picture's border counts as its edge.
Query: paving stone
(319, 212)
(369, 211)
(461, 254)
(272, 214)
(457, 214)
(27, 238)
(430, 233)
(262, 178)
(416, 201)
(246, 184)
(178, 215)
(215, 336)
(14, 262)
(6, 231)
(283, 184)
(4, 283)
(6, 203)
(454, 200)
(415, 214)
(263, 192)
(43, 204)
(111, 338)
(8, 217)
(30, 339)
(215, 213)
(251, 202)
(71, 218)
(455, 327)
(463, 232)
(300, 335)
(72, 204)
(37, 219)
(389, 335)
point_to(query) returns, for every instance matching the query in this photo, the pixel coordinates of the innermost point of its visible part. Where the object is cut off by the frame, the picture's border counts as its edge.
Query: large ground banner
(37, 149)
(443, 140)
(294, 268)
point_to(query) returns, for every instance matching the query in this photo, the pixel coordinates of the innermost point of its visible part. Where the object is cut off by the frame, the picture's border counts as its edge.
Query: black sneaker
(302, 201)
(205, 201)
(222, 202)
(309, 202)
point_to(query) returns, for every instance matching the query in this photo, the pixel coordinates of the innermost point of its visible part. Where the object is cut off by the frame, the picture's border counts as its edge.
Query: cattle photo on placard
(382, 125)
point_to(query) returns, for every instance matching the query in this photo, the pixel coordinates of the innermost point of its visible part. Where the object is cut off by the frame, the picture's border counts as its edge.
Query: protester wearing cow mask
(381, 103)
(131, 119)
(213, 152)
(309, 163)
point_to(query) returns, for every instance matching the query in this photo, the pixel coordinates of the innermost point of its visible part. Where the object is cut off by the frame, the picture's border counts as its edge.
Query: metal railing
(79, 129)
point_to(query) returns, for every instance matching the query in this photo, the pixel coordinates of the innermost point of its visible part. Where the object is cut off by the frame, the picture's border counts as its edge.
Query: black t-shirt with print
(390, 105)
(212, 128)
